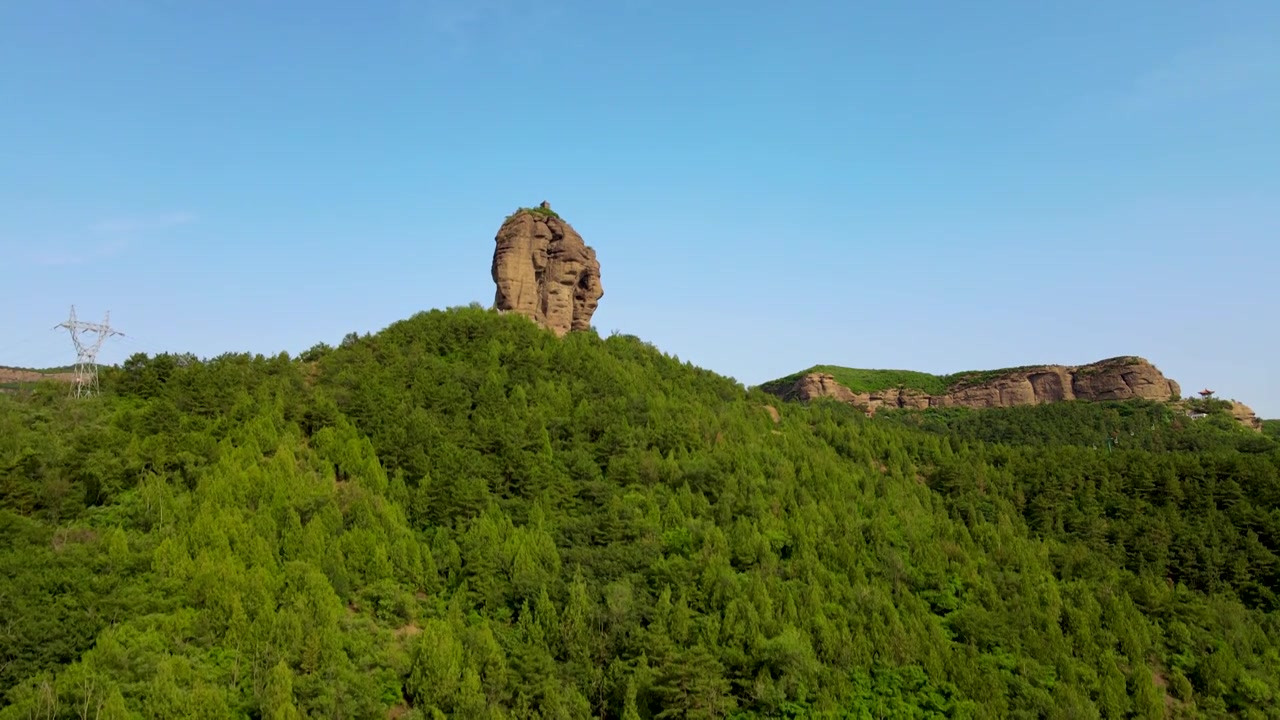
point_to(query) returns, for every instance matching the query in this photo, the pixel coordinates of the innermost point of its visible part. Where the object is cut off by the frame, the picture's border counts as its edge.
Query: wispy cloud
(460, 24)
(1228, 68)
(142, 224)
(107, 238)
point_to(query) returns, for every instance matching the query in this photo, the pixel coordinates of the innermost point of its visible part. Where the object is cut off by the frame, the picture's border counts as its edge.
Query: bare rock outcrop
(1245, 415)
(1121, 378)
(545, 271)
(20, 375)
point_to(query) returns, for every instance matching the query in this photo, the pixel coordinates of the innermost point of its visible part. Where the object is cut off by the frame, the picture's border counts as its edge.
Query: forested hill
(463, 515)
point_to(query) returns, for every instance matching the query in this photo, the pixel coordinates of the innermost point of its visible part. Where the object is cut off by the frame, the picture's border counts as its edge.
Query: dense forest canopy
(463, 515)
(1131, 424)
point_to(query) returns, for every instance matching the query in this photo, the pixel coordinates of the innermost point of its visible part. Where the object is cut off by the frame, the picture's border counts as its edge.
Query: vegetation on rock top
(861, 380)
(43, 371)
(538, 211)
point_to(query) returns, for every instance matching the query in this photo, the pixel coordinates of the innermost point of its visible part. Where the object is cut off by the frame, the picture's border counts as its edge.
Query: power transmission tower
(85, 383)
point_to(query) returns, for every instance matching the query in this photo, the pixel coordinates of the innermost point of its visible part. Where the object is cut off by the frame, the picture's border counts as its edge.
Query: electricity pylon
(85, 383)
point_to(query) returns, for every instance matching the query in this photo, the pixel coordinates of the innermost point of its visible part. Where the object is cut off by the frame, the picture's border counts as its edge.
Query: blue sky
(929, 185)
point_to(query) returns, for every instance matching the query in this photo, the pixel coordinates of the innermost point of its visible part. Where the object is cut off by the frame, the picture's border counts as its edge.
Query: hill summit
(464, 515)
(545, 271)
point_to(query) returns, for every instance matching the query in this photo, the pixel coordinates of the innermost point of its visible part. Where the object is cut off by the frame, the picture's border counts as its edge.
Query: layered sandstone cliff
(545, 271)
(1122, 378)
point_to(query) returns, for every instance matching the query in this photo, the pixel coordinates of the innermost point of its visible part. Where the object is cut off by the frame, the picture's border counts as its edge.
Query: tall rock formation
(545, 271)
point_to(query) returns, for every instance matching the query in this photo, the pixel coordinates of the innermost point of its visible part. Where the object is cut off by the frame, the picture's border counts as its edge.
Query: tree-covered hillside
(464, 516)
(1131, 424)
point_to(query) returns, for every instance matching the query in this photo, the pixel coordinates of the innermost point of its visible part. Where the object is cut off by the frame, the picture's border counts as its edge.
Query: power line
(85, 383)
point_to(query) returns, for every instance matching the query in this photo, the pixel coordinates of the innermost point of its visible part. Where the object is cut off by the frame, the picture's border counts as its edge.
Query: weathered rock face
(545, 271)
(1124, 378)
(1245, 416)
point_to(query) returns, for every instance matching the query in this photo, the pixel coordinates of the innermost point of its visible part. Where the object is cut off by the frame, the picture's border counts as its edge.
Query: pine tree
(277, 701)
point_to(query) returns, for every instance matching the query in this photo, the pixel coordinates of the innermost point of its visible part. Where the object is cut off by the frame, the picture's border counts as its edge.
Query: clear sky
(938, 186)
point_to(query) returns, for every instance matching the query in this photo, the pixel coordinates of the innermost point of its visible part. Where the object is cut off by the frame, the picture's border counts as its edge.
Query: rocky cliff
(545, 271)
(1122, 378)
(1245, 415)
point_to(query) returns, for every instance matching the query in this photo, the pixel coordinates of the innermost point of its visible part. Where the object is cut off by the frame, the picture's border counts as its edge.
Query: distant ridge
(12, 378)
(1126, 377)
